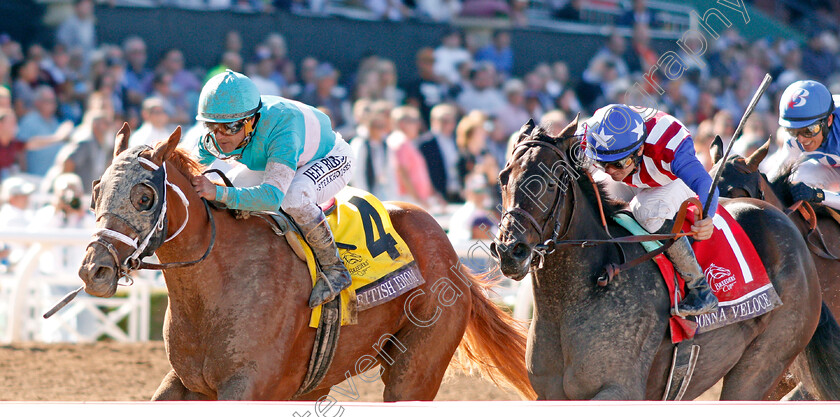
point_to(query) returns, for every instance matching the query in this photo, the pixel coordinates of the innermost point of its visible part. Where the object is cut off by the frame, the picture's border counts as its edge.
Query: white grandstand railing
(27, 292)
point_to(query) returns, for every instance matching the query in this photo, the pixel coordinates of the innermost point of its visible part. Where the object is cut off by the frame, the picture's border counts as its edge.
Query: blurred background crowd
(437, 135)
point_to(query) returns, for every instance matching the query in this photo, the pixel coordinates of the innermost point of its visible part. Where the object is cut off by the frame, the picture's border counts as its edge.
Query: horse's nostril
(520, 251)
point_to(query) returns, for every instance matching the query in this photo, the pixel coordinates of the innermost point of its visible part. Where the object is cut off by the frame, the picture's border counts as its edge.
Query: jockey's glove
(804, 192)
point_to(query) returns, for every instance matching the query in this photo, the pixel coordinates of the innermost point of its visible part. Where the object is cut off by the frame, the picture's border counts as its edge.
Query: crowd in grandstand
(437, 137)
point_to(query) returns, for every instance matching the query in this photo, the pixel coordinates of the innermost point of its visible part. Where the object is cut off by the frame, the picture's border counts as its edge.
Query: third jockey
(652, 152)
(807, 112)
(304, 162)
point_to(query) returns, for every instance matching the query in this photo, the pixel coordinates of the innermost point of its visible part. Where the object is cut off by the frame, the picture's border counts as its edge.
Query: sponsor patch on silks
(735, 273)
(379, 261)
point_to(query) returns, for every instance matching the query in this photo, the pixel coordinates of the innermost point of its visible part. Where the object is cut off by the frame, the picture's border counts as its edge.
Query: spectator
(483, 94)
(393, 10)
(640, 57)
(439, 10)
(283, 73)
(41, 131)
(473, 155)
(499, 53)
(230, 61)
(12, 150)
(79, 30)
(137, 80)
(66, 210)
(176, 109)
(427, 90)
(473, 212)
(513, 114)
(155, 125)
(374, 170)
(817, 60)
(639, 14)
(185, 85)
(5, 98)
(447, 57)
(327, 94)
(26, 79)
(263, 73)
(15, 213)
(412, 174)
(87, 158)
(5, 73)
(441, 153)
(387, 77)
(308, 65)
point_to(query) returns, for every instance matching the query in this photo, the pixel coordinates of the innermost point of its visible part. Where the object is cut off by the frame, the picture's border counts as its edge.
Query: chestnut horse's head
(130, 206)
(536, 195)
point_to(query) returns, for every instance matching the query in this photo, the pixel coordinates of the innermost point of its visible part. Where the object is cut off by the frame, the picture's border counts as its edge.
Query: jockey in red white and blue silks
(807, 112)
(653, 153)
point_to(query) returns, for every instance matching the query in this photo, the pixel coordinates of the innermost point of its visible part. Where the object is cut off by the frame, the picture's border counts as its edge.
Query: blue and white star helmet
(804, 103)
(613, 133)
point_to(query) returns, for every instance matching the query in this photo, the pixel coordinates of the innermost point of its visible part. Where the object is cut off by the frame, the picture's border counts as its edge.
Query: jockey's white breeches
(313, 184)
(652, 206)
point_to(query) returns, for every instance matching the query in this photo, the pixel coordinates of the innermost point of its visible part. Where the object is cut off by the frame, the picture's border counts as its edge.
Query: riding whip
(64, 301)
(761, 89)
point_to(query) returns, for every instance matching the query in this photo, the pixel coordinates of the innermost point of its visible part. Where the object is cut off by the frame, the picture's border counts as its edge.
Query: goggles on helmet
(620, 164)
(230, 128)
(807, 131)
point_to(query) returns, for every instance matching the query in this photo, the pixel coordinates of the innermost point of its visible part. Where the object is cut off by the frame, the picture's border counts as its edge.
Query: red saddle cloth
(735, 273)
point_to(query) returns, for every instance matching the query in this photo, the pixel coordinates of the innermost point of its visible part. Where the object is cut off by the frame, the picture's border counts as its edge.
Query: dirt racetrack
(109, 371)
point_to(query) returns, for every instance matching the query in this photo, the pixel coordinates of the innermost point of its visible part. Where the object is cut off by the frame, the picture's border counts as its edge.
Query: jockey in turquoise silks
(303, 161)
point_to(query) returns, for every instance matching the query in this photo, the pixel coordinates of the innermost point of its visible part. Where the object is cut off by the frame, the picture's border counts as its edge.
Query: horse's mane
(184, 162)
(781, 185)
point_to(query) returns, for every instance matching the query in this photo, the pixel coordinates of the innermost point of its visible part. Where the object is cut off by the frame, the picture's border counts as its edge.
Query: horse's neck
(190, 243)
(585, 222)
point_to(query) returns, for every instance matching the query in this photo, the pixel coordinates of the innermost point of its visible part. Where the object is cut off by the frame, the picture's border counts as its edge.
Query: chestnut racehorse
(237, 324)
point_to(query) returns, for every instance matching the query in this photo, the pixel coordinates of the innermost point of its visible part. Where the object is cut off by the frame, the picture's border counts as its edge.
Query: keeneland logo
(720, 278)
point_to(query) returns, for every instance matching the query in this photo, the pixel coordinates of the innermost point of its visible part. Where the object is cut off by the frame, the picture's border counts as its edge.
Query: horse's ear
(164, 148)
(716, 150)
(759, 154)
(568, 132)
(526, 130)
(122, 139)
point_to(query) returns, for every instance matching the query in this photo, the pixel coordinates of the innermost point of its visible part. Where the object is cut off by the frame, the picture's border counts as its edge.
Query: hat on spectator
(514, 86)
(325, 70)
(14, 186)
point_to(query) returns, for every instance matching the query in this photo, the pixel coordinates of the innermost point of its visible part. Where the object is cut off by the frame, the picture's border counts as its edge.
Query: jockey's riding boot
(699, 298)
(335, 276)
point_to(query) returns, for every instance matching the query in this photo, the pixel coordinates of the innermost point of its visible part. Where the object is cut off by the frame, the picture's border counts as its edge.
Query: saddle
(814, 236)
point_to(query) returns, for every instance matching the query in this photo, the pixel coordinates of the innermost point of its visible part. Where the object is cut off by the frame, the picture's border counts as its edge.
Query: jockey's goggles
(620, 164)
(230, 128)
(807, 131)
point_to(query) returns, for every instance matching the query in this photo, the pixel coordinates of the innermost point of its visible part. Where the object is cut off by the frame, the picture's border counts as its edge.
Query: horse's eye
(142, 197)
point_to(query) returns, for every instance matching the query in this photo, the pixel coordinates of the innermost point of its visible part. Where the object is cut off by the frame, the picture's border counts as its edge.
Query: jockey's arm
(688, 168)
(267, 196)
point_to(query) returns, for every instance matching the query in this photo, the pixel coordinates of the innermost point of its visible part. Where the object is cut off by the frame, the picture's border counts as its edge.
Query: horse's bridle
(156, 235)
(543, 249)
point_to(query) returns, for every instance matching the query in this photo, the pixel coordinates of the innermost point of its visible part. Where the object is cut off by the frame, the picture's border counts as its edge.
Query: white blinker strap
(117, 235)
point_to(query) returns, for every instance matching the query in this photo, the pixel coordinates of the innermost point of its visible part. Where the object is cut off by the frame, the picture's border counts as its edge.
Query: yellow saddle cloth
(380, 263)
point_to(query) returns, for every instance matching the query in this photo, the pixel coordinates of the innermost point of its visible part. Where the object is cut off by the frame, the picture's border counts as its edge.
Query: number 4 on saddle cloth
(381, 265)
(732, 266)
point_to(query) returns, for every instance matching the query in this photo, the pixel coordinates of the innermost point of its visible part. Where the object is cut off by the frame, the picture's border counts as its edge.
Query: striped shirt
(665, 134)
(289, 135)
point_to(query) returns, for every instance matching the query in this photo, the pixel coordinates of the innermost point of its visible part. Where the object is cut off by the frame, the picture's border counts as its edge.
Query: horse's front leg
(172, 389)
(545, 368)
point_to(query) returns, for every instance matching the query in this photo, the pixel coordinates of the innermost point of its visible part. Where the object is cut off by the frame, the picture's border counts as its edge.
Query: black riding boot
(335, 276)
(699, 298)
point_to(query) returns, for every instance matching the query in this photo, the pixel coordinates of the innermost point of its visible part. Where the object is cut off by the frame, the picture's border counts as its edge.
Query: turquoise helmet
(228, 97)
(804, 103)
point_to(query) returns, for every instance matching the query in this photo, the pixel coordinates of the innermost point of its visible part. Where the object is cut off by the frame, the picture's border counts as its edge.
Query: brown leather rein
(550, 245)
